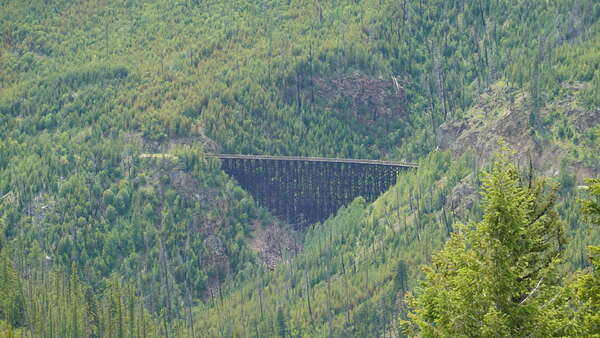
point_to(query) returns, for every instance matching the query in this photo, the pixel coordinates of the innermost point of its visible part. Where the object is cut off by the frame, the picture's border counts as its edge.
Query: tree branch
(532, 291)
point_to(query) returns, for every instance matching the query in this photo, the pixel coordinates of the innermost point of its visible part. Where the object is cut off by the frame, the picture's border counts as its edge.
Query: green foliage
(591, 94)
(281, 323)
(500, 275)
(254, 82)
(355, 267)
(113, 218)
(12, 301)
(585, 287)
(401, 276)
(88, 88)
(62, 306)
(565, 179)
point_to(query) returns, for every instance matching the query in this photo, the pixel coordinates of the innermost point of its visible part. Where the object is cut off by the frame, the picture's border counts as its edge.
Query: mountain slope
(108, 107)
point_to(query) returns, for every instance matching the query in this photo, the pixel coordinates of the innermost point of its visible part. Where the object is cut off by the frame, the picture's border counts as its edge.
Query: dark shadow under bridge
(305, 190)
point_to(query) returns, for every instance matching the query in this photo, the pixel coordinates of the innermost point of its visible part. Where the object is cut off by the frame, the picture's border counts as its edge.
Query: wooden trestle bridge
(305, 190)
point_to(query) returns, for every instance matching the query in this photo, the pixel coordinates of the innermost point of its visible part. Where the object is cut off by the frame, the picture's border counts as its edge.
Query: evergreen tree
(281, 323)
(11, 295)
(585, 290)
(401, 276)
(498, 277)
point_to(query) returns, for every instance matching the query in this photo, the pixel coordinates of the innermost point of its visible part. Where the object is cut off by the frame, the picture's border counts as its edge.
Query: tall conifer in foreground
(498, 277)
(585, 289)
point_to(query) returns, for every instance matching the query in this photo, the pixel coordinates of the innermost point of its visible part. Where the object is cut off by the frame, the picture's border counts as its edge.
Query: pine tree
(585, 289)
(281, 322)
(12, 302)
(498, 277)
(401, 276)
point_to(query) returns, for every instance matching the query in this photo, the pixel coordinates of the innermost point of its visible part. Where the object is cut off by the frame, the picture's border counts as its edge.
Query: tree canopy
(494, 277)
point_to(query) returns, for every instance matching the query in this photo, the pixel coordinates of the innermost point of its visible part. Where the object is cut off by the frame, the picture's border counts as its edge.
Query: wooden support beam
(305, 190)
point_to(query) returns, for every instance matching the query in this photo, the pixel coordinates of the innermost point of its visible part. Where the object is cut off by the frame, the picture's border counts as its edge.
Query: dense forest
(114, 222)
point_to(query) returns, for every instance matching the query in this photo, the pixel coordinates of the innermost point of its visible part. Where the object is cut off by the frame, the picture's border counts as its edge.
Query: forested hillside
(114, 222)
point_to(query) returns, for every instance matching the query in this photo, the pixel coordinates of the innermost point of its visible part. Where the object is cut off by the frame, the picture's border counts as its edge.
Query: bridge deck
(313, 159)
(305, 190)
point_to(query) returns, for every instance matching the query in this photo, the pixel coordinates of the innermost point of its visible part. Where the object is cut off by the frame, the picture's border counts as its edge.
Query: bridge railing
(314, 159)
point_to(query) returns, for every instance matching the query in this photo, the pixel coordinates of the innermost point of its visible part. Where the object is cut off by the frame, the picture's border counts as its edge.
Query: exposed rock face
(501, 114)
(216, 259)
(482, 138)
(368, 98)
(274, 244)
(449, 132)
(462, 198)
(196, 137)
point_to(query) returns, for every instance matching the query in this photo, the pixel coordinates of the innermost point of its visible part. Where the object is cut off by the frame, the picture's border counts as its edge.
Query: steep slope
(356, 267)
(557, 128)
(561, 133)
(176, 225)
(90, 91)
